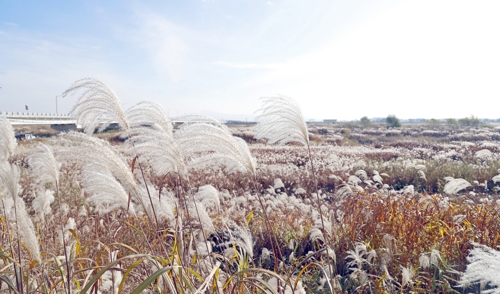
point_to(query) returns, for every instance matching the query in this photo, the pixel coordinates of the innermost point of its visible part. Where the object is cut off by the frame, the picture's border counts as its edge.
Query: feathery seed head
(149, 113)
(406, 275)
(97, 105)
(424, 261)
(160, 150)
(43, 163)
(209, 196)
(453, 186)
(7, 139)
(41, 204)
(435, 257)
(210, 144)
(483, 267)
(280, 121)
(9, 179)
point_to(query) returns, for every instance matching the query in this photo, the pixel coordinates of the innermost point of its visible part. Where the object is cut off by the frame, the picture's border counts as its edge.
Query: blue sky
(339, 59)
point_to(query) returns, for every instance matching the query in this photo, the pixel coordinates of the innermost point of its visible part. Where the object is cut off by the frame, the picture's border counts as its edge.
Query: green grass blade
(150, 279)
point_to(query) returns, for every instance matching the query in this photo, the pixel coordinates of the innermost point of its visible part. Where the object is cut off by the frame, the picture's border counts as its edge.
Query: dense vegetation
(203, 208)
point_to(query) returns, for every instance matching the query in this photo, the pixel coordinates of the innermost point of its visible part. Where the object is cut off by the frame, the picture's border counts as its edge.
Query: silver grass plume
(7, 139)
(152, 139)
(407, 275)
(105, 192)
(43, 163)
(159, 149)
(163, 206)
(98, 156)
(483, 267)
(41, 204)
(208, 144)
(149, 113)
(96, 105)
(209, 196)
(453, 186)
(280, 121)
(9, 180)
(239, 236)
(199, 209)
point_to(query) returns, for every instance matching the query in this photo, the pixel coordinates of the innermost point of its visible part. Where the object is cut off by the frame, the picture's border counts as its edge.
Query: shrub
(469, 121)
(451, 122)
(393, 121)
(365, 121)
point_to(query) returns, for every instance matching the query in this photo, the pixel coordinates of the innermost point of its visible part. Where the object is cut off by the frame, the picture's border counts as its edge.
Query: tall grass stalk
(17, 276)
(280, 121)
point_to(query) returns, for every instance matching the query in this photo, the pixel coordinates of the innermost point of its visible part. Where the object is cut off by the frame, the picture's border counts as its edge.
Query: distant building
(331, 121)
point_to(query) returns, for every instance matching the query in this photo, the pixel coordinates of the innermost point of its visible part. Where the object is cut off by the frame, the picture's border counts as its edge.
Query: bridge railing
(33, 118)
(12, 114)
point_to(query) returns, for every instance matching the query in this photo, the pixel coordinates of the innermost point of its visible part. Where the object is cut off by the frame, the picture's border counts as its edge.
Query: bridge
(32, 118)
(60, 122)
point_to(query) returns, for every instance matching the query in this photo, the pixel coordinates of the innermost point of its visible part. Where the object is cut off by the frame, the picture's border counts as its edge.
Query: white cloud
(166, 42)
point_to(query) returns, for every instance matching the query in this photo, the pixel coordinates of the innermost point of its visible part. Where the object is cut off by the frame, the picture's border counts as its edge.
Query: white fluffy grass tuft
(7, 139)
(9, 180)
(43, 164)
(280, 120)
(483, 268)
(206, 144)
(41, 204)
(105, 161)
(149, 113)
(453, 186)
(159, 149)
(97, 105)
(209, 196)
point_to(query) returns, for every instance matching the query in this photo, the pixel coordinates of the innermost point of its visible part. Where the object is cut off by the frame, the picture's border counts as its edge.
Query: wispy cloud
(165, 41)
(11, 24)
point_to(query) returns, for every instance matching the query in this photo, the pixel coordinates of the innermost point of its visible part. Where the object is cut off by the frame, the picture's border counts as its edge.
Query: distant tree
(393, 121)
(451, 122)
(434, 122)
(471, 121)
(365, 121)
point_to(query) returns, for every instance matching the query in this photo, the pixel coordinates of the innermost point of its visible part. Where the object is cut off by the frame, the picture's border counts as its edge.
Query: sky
(340, 59)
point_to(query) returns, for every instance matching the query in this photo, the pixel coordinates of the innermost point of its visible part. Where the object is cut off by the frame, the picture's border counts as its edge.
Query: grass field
(202, 208)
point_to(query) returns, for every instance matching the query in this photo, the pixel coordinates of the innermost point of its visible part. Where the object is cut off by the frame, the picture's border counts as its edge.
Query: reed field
(277, 207)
